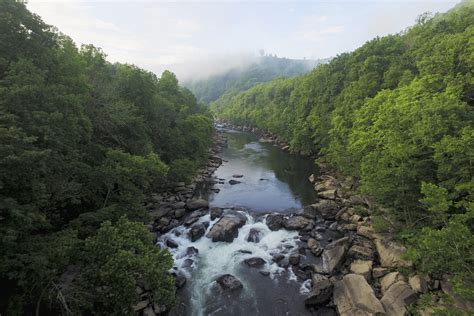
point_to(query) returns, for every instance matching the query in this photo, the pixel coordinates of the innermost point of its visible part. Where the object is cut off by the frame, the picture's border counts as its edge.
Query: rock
(254, 235)
(278, 258)
(140, 305)
(237, 175)
(148, 311)
(274, 221)
(191, 221)
(294, 259)
(296, 223)
(229, 282)
(326, 208)
(314, 247)
(397, 297)
(379, 272)
(328, 194)
(179, 213)
(188, 263)
(171, 243)
(216, 212)
(254, 262)
(390, 254)
(226, 228)
(321, 291)
(264, 273)
(354, 296)
(197, 204)
(360, 252)
(362, 267)
(365, 231)
(180, 281)
(178, 205)
(387, 281)
(191, 251)
(197, 231)
(418, 284)
(332, 256)
(312, 178)
(233, 182)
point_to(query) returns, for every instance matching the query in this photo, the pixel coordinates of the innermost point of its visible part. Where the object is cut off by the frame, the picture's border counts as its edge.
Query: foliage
(82, 141)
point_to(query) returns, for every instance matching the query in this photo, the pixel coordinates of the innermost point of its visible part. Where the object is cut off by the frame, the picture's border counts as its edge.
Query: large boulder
(226, 228)
(390, 253)
(354, 296)
(388, 280)
(229, 282)
(418, 284)
(254, 262)
(197, 231)
(332, 256)
(254, 235)
(326, 208)
(397, 298)
(216, 212)
(362, 267)
(327, 194)
(297, 223)
(321, 291)
(196, 204)
(274, 221)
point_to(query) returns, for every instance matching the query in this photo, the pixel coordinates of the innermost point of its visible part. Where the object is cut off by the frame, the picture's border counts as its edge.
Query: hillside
(261, 69)
(397, 115)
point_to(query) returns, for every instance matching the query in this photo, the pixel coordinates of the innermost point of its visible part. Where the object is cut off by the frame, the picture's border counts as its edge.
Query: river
(271, 181)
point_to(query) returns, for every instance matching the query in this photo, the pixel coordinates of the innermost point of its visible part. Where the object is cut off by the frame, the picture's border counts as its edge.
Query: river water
(272, 181)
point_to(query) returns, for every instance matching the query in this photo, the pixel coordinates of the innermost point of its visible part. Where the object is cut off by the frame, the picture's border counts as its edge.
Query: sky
(196, 39)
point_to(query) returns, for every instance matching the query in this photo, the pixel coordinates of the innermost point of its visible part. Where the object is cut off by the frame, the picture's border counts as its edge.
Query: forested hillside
(262, 69)
(82, 142)
(397, 115)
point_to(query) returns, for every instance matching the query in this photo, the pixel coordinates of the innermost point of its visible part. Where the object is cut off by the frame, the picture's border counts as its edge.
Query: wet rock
(191, 221)
(387, 281)
(237, 175)
(191, 251)
(277, 258)
(294, 259)
(397, 298)
(362, 267)
(354, 296)
(179, 213)
(390, 253)
(297, 223)
(332, 256)
(197, 204)
(197, 231)
(244, 251)
(233, 182)
(254, 235)
(171, 243)
(180, 281)
(418, 284)
(264, 273)
(188, 263)
(326, 208)
(254, 262)
(321, 291)
(226, 228)
(216, 212)
(274, 221)
(229, 282)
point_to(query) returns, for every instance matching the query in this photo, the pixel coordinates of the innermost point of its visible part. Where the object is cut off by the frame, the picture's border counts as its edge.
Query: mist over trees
(82, 142)
(397, 115)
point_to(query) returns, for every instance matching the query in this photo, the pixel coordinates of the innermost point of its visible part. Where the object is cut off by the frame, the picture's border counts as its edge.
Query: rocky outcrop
(229, 282)
(354, 296)
(332, 256)
(226, 228)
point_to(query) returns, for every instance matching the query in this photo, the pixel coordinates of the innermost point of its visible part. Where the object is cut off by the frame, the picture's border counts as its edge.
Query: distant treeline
(82, 141)
(262, 69)
(397, 115)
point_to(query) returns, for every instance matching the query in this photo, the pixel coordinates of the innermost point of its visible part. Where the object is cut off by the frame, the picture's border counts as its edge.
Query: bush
(181, 170)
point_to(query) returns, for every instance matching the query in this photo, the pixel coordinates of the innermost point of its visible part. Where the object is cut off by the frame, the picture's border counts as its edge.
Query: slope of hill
(262, 69)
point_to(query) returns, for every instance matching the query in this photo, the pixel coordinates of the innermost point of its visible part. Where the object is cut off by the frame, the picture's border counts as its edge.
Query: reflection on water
(272, 179)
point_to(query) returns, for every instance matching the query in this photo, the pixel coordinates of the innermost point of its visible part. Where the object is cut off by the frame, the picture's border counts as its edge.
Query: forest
(397, 115)
(82, 143)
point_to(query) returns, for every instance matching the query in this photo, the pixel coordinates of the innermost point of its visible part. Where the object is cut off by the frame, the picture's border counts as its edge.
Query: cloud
(332, 30)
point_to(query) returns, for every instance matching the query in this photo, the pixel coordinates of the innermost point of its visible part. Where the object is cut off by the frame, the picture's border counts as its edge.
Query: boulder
(197, 204)
(314, 246)
(332, 256)
(326, 208)
(197, 231)
(179, 213)
(254, 235)
(178, 205)
(362, 267)
(237, 175)
(278, 257)
(328, 194)
(361, 252)
(148, 311)
(397, 298)
(216, 212)
(294, 259)
(274, 221)
(321, 291)
(390, 253)
(379, 272)
(226, 228)
(171, 243)
(387, 281)
(229, 282)
(296, 223)
(254, 262)
(180, 280)
(366, 231)
(418, 284)
(233, 182)
(354, 296)
(140, 305)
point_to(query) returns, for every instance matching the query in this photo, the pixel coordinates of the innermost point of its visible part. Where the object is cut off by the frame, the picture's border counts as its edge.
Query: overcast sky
(197, 38)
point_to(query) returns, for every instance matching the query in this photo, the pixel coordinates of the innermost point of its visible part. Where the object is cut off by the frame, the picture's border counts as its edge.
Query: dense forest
(82, 143)
(396, 115)
(261, 69)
